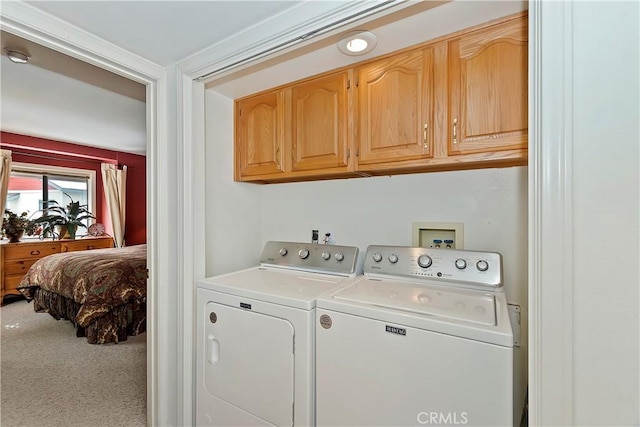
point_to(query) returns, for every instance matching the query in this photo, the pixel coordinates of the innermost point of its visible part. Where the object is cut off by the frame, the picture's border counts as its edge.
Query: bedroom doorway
(23, 22)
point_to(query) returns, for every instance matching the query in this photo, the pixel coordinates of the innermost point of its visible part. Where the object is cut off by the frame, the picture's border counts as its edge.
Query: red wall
(28, 149)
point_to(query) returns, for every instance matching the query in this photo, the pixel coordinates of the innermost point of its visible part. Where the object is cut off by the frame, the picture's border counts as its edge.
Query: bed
(101, 291)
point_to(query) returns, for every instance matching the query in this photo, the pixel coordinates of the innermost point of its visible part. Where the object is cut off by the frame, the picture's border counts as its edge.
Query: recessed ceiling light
(17, 56)
(357, 43)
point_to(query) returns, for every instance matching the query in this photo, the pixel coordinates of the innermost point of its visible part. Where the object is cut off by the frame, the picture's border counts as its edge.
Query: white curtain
(115, 189)
(5, 174)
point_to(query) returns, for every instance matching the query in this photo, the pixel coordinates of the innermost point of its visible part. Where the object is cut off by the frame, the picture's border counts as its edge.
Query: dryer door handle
(214, 349)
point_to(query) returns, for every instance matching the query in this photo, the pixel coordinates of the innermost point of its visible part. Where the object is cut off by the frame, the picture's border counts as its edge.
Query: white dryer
(256, 335)
(422, 338)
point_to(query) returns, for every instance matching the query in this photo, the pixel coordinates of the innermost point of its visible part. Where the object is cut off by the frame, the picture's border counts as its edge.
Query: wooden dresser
(18, 257)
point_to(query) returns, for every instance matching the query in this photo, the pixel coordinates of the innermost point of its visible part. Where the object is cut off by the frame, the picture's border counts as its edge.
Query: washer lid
(291, 288)
(459, 304)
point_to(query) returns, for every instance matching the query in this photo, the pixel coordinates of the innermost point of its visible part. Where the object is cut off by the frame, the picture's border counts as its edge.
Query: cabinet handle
(424, 136)
(455, 131)
(35, 252)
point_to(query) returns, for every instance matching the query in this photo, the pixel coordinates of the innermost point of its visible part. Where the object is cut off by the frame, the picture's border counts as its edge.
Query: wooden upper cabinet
(319, 123)
(456, 102)
(259, 135)
(488, 89)
(395, 104)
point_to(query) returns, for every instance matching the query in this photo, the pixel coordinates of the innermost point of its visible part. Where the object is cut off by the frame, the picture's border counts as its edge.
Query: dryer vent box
(444, 235)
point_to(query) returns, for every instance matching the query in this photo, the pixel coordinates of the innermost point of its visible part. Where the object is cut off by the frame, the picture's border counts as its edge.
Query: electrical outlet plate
(424, 234)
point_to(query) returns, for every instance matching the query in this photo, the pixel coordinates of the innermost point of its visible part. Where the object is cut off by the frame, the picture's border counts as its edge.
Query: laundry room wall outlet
(443, 235)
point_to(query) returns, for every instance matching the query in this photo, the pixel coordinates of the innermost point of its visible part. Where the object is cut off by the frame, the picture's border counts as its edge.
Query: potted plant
(63, 221)
(14, 226)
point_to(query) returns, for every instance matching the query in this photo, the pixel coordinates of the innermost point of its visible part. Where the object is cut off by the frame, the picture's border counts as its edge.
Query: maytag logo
(394, 330)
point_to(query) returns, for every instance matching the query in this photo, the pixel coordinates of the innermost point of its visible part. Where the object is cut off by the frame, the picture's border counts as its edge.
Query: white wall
(606, 141)
(233, 210)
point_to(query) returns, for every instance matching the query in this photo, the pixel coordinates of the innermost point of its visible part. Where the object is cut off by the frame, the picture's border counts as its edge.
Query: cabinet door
(259, 135)
(488, 89)
(396, 98)
(319, 123)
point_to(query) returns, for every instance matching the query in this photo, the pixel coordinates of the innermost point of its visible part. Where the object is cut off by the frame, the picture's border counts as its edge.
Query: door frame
(30, 23)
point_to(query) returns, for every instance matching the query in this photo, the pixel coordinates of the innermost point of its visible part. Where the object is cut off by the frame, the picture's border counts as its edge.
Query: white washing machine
(422, 338)
(256, 335)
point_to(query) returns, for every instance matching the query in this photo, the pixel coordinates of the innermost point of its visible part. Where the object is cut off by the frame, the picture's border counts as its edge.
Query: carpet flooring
(49, 377)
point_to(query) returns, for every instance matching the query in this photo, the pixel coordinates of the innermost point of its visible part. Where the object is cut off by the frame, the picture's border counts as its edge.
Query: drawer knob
(35, 252)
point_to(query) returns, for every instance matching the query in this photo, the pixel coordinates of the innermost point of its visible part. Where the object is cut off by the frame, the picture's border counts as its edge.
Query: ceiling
(165, 32)
(58, 97)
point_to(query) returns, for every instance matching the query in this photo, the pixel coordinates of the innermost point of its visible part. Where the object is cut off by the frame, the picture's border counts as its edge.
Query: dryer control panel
(446, 265)
(314, 257)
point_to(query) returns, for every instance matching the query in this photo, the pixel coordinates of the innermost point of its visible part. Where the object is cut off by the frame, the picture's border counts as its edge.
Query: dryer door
(249, 362)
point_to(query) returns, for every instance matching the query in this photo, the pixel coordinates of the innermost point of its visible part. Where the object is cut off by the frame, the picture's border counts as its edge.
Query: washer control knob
(393, 258)
(326, 255)
(377, 257)
(424, 261)
(303, 253)
(339, 256)
(482, 265)
(283, 251)
(461, 264)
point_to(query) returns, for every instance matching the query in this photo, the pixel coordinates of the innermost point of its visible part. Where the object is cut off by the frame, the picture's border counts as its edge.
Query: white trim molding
(550, 214)
(284, 31)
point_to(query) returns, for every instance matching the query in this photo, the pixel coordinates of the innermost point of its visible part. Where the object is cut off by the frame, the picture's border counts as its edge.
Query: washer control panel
(330, 259)
(447, 265)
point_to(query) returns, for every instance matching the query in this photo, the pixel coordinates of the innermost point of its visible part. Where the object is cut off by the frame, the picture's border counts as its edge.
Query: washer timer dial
(424, 261)
(461, 264)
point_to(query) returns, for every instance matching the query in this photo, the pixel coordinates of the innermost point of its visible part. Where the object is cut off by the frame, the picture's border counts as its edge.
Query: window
(32, 186)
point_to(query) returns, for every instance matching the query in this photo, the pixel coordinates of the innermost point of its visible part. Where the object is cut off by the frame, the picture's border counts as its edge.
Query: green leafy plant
(63, 221)
(14, 225)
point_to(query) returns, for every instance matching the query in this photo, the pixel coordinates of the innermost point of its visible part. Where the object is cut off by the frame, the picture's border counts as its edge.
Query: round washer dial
(425, 261)
(482, 265)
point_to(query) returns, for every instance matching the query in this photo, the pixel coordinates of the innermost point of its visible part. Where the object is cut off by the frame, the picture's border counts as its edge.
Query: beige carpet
(51, 378)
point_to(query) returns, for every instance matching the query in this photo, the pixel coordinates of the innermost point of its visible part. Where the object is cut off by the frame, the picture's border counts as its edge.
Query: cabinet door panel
(396, 108)
(488, 89)
(319, 132)
(259, 124)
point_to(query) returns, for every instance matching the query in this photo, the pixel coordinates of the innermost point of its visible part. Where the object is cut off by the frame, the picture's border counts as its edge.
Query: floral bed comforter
(102, 291)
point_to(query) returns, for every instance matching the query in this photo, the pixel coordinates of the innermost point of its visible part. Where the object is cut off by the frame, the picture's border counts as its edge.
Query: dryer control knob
(393, 258)
(482, 265)
(377, 257)
(326, 255)
(461, 264)
(424, 261)
(283, 251)
(303, 253)
(339, 256)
